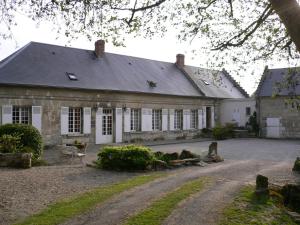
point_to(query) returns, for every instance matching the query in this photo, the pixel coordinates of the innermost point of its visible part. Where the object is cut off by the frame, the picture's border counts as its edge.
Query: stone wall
(278, 108)
(16, 160)
(52, 100)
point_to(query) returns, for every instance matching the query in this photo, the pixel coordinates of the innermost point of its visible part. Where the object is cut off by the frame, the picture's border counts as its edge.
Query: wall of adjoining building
(278, 116)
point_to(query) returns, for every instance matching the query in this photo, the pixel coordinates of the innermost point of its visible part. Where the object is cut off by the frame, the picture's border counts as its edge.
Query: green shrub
(10, 143)
(128, 157)
(297, 165)
(220, 132)
(29, 137)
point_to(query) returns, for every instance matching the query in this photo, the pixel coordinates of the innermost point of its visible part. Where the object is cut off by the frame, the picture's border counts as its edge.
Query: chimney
(99, 48)
(180, 60)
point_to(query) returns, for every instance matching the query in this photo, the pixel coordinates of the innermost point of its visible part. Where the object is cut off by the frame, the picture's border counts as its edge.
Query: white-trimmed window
(194, 118)
(75, 120)
(178, 119)
(135, 120)
(156, 119)
(107, 118)
(21, 114)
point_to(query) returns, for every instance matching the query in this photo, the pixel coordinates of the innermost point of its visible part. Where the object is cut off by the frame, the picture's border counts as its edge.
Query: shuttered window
(135, 119)
(75, 120)
(156, 119)
(21, 114)
(194, 119)
(178, 119)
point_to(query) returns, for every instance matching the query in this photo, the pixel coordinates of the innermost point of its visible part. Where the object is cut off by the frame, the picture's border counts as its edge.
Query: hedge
(30, 138)
(128, 157)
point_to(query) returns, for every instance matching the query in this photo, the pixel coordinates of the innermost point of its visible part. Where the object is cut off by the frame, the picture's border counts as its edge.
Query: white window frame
(135, 120)
(107, 126)
(72, 120)
(178, 119)
(194, 119)
(22, 114)
(156, 119)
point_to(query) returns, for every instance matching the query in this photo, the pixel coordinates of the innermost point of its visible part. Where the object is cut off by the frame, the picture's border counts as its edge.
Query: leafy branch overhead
(264, 28)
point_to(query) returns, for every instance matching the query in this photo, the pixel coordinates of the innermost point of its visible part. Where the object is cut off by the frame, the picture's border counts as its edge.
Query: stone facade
(52, 100)
(277, 118)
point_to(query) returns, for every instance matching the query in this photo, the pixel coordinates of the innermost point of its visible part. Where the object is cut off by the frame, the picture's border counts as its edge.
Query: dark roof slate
(273, 82)
(38, 64)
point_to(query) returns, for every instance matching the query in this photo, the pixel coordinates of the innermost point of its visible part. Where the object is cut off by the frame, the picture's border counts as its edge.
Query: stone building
(94, 96)
(277, 104)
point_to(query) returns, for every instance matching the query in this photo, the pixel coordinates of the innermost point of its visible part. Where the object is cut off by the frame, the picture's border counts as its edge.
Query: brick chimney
(180, 60)
(99, 48)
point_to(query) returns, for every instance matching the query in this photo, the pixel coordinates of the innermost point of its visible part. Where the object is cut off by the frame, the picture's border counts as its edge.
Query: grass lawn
(65, 209)
(162, 208)
(247, 209)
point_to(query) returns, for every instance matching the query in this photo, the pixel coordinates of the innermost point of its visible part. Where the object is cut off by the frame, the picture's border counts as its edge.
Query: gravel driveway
(24, 192)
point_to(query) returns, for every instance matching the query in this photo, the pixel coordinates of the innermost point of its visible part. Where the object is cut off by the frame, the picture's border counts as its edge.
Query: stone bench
(16, 160)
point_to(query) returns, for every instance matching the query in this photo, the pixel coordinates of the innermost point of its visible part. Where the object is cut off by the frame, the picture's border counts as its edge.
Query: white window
(194, 119)
(135, 119)
(156, 119)
(107, 122)
(21, 114)
(178, 115)
(75, 120)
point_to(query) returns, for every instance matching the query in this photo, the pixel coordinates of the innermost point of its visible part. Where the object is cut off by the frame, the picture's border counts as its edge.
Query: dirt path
(200, 209)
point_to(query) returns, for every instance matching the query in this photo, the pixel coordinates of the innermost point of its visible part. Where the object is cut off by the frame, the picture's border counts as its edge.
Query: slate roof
(216, 84)
(272, 79)
(45, 65)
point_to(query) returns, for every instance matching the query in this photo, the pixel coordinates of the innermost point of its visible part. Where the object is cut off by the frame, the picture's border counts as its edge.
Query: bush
(220, 132)
(128, 157)
(10, 143)
(30, 137)
(297, 165)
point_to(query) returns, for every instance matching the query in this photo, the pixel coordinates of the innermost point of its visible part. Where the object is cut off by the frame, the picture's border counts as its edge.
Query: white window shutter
(64, 120)
(146, 119)
(186, 119)
(87, 114)
(37, 117)
(127, 120)
(164, 119)
(171, 118)
(204, 117)
(98, 132)
(6, 114)
(200, 119)
(212, 117)
(119, 125)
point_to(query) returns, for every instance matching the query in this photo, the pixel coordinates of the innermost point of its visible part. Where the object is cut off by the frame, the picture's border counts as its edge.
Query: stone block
(16, 160)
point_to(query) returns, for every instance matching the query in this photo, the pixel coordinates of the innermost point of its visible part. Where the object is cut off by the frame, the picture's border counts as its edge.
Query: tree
(256, 29)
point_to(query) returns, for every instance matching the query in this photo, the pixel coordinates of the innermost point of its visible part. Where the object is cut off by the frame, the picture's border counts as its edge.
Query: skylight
(71, 76)
(205, 82)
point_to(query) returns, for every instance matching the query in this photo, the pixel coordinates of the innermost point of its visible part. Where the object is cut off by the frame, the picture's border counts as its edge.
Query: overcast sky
(162, 49)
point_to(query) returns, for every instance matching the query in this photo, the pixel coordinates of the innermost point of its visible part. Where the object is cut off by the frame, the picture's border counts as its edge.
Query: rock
(185, 154)
(159, 165)
(262, 186)
(291, 196)
(17, 160)
(297, 165)
(170, 156)
(213, 149)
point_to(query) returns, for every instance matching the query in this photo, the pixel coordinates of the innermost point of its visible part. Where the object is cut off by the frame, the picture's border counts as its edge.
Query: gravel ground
(24, 192)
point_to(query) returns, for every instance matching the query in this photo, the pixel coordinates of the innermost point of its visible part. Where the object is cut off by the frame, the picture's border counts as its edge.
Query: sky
(162, 49)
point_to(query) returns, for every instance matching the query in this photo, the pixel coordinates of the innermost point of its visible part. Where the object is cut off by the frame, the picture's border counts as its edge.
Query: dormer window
(71, 76)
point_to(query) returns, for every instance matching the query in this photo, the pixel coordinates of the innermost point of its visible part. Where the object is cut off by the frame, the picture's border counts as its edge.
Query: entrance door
(208, 117)
(107, 126)
(273, 127)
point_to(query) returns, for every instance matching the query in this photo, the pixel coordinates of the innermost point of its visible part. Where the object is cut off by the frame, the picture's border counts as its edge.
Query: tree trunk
(289, 13)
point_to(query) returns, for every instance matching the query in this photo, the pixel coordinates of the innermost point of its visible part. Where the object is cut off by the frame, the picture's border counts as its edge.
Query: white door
(273, 127)
(107, 126)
